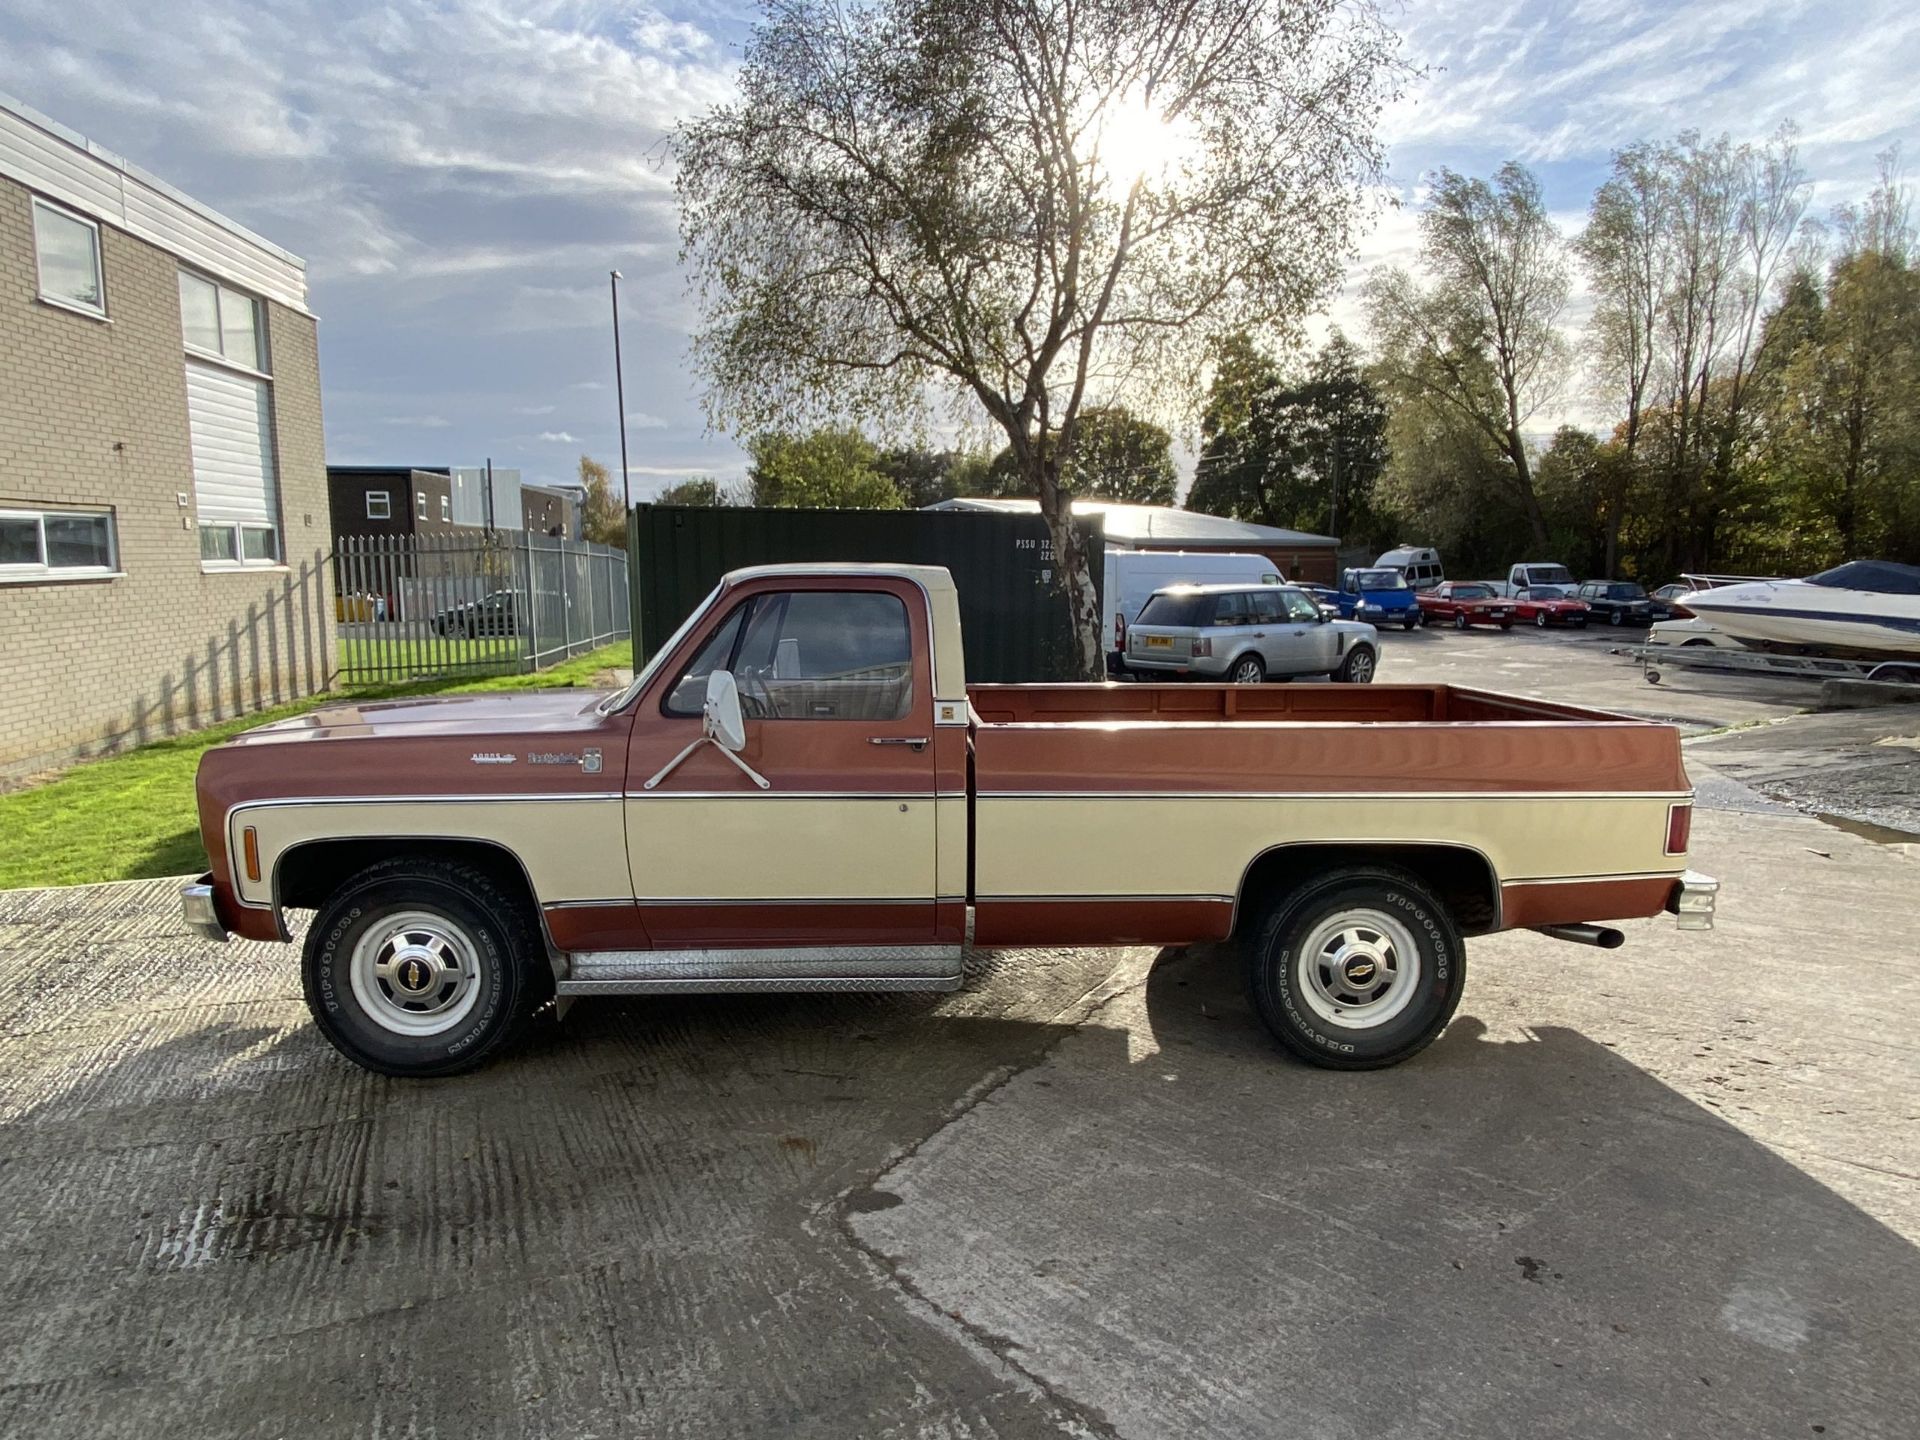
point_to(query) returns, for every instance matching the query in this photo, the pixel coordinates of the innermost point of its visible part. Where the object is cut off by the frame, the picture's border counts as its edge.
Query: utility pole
(620, 397)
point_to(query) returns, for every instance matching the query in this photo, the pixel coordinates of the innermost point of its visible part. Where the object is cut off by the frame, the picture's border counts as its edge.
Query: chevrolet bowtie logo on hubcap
(413, 975)
(1361, 972)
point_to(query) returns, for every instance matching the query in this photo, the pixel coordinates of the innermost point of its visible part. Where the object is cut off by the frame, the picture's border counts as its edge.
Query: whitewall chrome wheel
(415, 973)
(1358, 969)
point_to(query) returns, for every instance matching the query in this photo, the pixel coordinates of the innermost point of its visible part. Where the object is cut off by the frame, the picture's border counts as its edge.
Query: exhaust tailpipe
(1605, 936)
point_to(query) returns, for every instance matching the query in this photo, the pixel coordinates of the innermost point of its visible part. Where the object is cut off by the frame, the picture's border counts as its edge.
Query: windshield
(1178, 608)
(619, 701)
(1882, 577)
(1382, 580)
(1547, 574)
(1545, 592)
(1472, 592)
(1627, 592)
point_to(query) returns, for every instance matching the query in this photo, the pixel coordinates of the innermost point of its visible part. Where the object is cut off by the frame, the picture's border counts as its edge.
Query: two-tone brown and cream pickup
(801, 792)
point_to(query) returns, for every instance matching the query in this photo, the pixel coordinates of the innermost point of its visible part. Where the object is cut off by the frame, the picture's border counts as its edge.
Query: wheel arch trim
(1378, 846)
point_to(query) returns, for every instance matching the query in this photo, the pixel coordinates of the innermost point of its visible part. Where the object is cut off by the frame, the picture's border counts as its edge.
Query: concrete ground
(1668, 1190)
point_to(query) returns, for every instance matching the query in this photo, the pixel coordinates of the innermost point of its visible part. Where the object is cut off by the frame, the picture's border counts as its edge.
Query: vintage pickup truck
(800, 792)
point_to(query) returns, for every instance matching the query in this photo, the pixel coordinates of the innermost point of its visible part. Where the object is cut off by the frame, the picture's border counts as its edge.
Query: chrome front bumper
(197, 908)
(1692, 902)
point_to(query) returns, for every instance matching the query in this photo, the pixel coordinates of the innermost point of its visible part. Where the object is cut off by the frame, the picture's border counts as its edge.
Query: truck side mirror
(721, 719)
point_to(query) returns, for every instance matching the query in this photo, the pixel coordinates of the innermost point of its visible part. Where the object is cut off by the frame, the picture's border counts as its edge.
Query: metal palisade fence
(472, 602)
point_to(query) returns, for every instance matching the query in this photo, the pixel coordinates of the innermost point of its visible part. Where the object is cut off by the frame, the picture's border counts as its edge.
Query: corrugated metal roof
(1137, 524)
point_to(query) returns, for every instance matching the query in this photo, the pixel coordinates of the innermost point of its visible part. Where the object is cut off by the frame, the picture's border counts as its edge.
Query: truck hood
(525, 712)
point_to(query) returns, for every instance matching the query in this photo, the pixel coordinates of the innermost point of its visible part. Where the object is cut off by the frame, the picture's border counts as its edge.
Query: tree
(602, 519)
(1304, 453)
(1029, 210)
(1628, 253)
(834, 467)
(1119, 456)
(1484, 338)
(694, 490)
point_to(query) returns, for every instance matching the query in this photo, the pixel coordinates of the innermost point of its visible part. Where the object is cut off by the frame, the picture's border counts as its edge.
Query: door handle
(918, 742)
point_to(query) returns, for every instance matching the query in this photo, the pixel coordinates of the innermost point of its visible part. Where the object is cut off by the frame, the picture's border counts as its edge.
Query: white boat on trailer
(1865, 609)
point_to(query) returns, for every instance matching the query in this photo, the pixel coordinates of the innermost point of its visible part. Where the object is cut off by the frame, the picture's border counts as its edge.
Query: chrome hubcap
(1358, 969)
(416, 973)
(1246, 672)
(1362, 667)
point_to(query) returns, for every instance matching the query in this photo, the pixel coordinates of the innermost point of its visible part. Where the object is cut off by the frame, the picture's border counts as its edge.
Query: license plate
(1159, 642)
(1498, 613)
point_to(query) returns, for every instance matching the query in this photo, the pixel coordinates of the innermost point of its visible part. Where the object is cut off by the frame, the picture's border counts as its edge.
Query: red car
(1465, 602)
(1548, 605)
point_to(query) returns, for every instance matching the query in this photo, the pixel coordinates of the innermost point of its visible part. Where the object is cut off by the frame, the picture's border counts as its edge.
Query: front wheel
(1357, 969)
(1540, 618)
(1357, 668)
(1614, 617)
(423, 967)
(1460, 621)
(1248, 670)
(1409, 622)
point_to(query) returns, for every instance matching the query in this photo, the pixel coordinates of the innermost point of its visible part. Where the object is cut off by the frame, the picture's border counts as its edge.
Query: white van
(1419, 563)
(1133, 575)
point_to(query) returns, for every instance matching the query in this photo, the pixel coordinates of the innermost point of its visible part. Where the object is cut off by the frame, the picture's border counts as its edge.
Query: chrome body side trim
(770, 984)
(843, 963)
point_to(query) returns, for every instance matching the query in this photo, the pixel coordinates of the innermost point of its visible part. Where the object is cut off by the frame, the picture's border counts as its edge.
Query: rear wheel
(423, 967)
(1358, 667)
(1356, 969)
(1248, 670)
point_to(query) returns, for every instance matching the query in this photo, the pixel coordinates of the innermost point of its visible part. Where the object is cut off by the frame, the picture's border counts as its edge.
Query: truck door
(838, 849)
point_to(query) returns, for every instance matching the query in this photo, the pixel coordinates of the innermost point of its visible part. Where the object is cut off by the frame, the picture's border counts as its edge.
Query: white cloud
(641, 420)
(533, 410)
(418, 422)
(557, 437)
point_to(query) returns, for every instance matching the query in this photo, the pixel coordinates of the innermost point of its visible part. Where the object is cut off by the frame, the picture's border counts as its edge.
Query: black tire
(1247, 670)
(1614, 617)
(1409, 622)
(1292, 1006)
(1359, 666)
(511, 979)
(1540, 618)
(1506, 624)
(1460, 620)
(1579, 622)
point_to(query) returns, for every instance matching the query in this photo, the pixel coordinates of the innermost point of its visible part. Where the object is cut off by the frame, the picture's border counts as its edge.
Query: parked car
(491, 614)
(1325, 596)
(1133, 575)
(1379, 595)
(1419, 563)
(473, 858)
(1465, 603)
(1670, 601)
(1618, 602)
(1548, 605)
(1529, 573)
(1229, 632)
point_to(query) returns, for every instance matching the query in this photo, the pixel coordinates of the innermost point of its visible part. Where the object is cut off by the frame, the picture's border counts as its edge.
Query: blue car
(1379, 596)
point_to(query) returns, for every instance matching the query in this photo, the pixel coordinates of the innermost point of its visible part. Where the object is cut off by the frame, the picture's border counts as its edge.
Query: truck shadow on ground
(638, 1223)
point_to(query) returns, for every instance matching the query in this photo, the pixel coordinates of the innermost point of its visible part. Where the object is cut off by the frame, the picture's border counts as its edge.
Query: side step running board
(809, 968)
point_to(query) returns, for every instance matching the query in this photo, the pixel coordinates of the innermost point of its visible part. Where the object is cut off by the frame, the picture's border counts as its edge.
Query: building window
(55, 544)
(221, 322)
(68, 249)
(379, 505)
(423, 505)
(446, 509)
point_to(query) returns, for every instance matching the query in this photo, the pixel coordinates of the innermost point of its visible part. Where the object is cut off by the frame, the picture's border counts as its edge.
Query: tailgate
(1149, 642)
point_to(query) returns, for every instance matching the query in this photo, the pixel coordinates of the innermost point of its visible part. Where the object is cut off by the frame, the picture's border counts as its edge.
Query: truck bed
(1302, 703)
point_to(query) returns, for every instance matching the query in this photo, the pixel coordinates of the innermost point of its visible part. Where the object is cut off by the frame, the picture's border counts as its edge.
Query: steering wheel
(756, 703)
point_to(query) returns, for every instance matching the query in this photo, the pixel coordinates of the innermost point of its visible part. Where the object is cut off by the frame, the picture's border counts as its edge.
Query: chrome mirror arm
(673, 764)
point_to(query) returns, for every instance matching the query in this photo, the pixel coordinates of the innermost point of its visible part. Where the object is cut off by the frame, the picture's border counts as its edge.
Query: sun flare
(1136, 141)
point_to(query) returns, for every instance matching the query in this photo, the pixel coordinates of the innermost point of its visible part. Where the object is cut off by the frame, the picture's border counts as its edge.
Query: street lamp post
(620, 397)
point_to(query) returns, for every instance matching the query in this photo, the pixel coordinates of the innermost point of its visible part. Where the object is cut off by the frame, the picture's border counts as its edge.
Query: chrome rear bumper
(1692, 901)
(198, 910)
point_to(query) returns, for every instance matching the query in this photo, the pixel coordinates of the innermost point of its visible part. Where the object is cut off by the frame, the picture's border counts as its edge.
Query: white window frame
(261, 366)
(446, 509)
(385, 512)
(236, 528)
(41, 572)
(99, 261)
(421, 508)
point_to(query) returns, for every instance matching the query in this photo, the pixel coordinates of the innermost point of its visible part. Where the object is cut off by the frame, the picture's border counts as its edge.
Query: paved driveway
(1665, 1190)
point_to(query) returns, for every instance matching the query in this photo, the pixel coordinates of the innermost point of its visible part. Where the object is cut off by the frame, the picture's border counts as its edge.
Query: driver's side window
(809, 655)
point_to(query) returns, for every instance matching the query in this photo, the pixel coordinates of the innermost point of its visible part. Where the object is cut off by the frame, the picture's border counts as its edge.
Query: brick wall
(95, 413)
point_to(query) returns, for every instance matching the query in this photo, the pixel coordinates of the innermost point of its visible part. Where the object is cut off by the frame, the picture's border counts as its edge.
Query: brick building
(391, 499)
(164, 524)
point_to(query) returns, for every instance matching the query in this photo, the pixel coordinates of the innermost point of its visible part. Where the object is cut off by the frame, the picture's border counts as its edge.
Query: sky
(461, 175)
